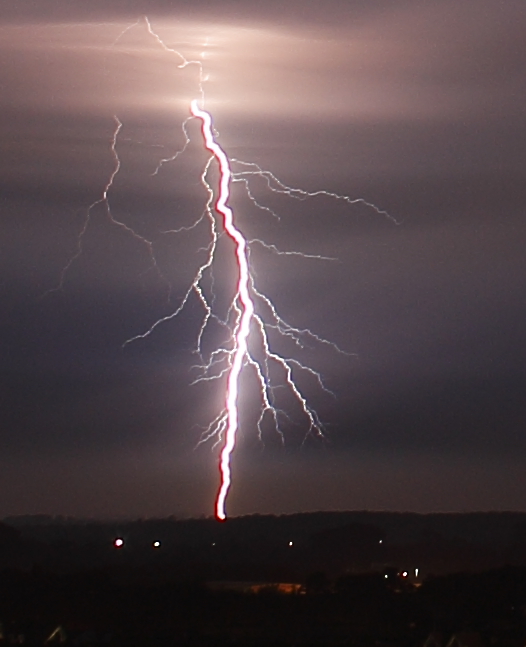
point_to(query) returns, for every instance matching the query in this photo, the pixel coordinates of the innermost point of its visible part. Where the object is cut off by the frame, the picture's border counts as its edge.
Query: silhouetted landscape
(341, 578)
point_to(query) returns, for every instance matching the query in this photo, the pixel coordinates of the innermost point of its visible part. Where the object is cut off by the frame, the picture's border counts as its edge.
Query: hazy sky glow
(417, 107)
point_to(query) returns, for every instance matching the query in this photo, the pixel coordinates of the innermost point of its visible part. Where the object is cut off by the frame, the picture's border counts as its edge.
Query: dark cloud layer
(414, 106)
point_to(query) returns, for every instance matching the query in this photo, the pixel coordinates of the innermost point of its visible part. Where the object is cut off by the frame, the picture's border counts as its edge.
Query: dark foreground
(114, 608)
(349, 579)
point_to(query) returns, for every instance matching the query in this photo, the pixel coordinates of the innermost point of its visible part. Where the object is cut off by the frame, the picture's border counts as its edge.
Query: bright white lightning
(243, 326)
(251, 314)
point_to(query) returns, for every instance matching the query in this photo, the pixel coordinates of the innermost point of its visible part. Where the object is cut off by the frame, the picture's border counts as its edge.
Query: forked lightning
(252, 317)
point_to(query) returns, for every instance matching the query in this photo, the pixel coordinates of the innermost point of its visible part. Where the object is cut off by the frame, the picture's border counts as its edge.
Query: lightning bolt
(252, 318)
(243, 298)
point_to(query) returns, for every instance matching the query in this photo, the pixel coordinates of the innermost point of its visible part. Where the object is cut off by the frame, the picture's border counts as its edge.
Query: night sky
(415, 106)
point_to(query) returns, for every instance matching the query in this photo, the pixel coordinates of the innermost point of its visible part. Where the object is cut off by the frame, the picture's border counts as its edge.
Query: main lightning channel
(243, 295)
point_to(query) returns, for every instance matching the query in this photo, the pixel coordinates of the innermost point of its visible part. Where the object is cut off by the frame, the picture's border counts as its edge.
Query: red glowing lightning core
(243, 297)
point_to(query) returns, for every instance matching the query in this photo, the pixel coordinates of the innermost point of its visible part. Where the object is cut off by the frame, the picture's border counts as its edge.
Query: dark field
(313, 579)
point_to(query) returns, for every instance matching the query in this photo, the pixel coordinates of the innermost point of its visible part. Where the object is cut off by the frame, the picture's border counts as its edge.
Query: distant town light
(381, 541)
(404, 574)
(156, 544)
(386, 577)
(119, 542)
(416, 572)
(291, 543)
